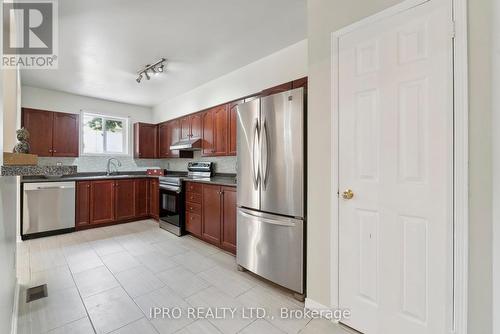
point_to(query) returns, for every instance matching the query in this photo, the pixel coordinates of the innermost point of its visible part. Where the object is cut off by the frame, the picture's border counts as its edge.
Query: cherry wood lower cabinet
(114, 201)
(211, 214)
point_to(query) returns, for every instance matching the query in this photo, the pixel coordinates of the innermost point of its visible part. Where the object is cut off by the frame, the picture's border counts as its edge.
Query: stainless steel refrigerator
(271, 185)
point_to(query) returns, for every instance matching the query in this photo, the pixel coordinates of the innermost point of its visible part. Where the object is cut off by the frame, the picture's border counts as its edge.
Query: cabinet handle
(54, 151)
(50, 150)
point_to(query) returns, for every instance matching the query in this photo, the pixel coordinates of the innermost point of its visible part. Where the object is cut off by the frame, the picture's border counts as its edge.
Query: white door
(395, 154)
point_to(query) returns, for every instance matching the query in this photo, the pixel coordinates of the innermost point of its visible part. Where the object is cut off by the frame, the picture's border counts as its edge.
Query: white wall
(326, 16)
(280, 67)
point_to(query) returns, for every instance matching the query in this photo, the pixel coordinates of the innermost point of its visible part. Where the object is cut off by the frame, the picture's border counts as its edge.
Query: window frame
(126, 136)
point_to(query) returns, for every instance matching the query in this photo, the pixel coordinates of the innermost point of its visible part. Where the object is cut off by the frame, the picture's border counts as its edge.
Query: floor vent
(37, 292)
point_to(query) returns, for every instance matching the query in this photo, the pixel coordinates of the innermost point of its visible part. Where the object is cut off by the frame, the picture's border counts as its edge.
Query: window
(104, 134)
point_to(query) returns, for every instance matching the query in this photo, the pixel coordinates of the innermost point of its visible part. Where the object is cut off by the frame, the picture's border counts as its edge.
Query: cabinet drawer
(193, 207)
(193, 223)
(194, 187)
(193, 197)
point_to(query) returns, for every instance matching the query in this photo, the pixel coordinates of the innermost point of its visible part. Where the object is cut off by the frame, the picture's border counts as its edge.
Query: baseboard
(15, 309)
(314, 305)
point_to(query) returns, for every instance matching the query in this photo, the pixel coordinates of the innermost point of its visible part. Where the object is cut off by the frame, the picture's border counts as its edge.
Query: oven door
(171, 205)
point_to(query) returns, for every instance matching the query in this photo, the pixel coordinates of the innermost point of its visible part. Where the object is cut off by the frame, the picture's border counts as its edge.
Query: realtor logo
(30, 34)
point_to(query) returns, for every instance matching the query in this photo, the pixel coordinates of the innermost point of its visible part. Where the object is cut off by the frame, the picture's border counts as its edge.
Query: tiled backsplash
(98, 164)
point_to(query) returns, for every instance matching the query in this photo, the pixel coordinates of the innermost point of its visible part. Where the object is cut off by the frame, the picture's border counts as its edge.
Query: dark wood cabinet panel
(228, 235)
(39, 123)
(196, 125)
(220, 131)
(174, 133)
(102, 201)
(207, 146)
(141, 198)
(154, 200)
(193, 223)
(185, 127)
(233, 126)
(277, 89)
(193, 197)
(65, 135)
(302, 82)
(125, 199)
(82, 210)
(163, 140)
(145, 141)
(194, 187)
(211, 221)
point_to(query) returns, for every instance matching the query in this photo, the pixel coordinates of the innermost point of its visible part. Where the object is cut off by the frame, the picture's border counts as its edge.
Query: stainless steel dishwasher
(48, 208)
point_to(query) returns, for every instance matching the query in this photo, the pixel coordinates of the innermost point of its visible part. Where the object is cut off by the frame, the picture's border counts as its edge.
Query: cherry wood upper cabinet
(52, 134)
(233, 126)
(141, 197)
(145, 141)
(185, 127)
(277, 89)
(196, 125)
(82, 203)
(65, 135)
(228, 235)
(39, 125)
(211, 204)
(208, 142)
(174, 132)
(102, 201)
(302, 82)
(125, 199)
(168, 134)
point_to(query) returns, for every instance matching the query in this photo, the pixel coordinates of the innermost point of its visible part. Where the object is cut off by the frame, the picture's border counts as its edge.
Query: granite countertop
(39, 171)
(220, 179)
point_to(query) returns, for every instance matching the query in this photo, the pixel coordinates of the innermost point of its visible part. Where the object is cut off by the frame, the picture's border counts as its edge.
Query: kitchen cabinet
(228, 233)
(233, 126)
(82, 208)
(142, 198)
(302, 82)
(193, 208)
(215, 130)
(211, 214)
(190, 126)
(102, 201)
(277, 89)
(154, 200)
(145, 141)
(211, 208)
(125, 199)
(168, 134)
(52, 134)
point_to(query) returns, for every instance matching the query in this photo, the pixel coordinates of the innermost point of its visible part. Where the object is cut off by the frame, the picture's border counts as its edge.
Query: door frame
(459, 234)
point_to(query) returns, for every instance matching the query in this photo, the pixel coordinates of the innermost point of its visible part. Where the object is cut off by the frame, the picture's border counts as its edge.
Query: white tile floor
(107, 280)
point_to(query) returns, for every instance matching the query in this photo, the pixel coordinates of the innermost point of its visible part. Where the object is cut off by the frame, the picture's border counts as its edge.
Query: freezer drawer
(48, 206)
(272, 247)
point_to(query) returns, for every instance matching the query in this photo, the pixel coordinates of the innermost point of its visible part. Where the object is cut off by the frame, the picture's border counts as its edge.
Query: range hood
(191, 144)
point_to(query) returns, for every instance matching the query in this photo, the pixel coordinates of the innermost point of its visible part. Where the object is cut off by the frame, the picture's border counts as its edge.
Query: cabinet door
(228, 234)
(220, 130)
(196, 125)
(66, 135)
(211, 208)
(125, 199)
(232, 127)
(193, 224)
(154, 201)
(163, 140)
(145, 141)
(39, 124)
(141, 197)
(185, 127)
(174, 132)
(82, 203)
(277, 89)
(102, 202)
(207, 146)
(302, 82)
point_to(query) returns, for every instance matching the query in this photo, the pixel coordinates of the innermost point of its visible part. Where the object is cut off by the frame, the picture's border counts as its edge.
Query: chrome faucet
(111, 162)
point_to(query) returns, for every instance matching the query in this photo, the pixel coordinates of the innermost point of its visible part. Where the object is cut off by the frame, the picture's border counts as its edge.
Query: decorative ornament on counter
(22, 146)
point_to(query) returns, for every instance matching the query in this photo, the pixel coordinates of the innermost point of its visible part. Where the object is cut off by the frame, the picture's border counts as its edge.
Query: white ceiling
(103, 43)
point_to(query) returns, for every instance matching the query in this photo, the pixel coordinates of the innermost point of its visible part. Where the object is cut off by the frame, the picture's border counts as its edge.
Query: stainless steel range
(172, 195)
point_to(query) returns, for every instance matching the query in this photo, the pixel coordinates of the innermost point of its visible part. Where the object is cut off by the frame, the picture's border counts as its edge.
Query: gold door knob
(348, 194)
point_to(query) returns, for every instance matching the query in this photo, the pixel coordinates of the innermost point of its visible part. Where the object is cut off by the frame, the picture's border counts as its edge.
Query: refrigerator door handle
(281, 221)
(255, 162)
(267, 154)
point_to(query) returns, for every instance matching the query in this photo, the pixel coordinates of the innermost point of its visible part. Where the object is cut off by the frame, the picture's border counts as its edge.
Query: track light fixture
(155, 68)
